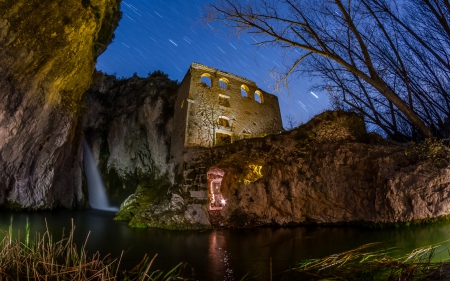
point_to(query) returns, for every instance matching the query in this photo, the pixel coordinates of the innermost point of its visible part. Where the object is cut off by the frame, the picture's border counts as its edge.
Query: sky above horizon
(169, 36)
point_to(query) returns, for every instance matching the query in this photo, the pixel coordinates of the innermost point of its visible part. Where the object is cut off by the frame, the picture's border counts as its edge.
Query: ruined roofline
(231, 75)
(197, 65)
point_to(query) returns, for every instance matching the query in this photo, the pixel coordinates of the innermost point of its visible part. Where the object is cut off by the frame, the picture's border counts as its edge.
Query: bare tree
(378, 57)
(292, 122)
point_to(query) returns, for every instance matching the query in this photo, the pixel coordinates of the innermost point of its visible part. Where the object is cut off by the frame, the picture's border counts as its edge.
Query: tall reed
(42, 259)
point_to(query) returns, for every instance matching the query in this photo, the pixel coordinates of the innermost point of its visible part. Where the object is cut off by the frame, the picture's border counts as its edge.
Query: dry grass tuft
(43, 259)
(365, 264)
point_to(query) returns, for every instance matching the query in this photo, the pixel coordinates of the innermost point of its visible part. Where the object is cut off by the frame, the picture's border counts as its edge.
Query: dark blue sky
(169, 36)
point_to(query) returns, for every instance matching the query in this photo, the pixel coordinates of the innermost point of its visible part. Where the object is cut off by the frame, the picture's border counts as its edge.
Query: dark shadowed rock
(128, 124)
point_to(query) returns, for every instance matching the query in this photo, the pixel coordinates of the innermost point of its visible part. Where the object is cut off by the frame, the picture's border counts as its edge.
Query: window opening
(224, 101)
(222, 138)
(223, 83)
(206, 79)
(244, 91)
(258, 97)
(224, 122)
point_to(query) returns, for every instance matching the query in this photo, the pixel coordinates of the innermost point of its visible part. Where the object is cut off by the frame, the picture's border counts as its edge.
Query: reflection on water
(219, 258)
(223, 254)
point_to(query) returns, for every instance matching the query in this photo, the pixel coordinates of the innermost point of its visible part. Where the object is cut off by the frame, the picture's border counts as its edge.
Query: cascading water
(97, 194)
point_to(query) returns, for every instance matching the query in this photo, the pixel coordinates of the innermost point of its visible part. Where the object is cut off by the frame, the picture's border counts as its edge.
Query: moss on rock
(145, 195)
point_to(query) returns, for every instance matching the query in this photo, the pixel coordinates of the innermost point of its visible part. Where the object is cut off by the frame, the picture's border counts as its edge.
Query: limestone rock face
(328, 171)
(128, 124)
(47, 54)
(327, 175)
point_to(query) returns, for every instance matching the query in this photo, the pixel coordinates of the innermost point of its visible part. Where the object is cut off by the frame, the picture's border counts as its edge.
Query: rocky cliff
(128, 124)
(327, 171)
(47, 56)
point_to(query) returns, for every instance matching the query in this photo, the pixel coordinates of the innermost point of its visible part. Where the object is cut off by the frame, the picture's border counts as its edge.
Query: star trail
(170, 35)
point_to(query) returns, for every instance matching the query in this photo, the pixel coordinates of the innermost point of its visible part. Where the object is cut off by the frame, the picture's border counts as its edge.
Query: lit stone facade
(215, 107)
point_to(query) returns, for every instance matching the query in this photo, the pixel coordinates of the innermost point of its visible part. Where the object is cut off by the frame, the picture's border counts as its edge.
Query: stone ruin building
(214, 107)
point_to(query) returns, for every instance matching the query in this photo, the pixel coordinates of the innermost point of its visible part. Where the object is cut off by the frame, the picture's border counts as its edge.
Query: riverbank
(39, 257)
(226, 253)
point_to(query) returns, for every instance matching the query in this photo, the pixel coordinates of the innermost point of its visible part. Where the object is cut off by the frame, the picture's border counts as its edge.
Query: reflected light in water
(219, 258)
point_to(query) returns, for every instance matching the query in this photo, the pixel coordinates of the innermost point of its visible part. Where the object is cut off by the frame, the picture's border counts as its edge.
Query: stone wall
(244, 115)
(180, 113)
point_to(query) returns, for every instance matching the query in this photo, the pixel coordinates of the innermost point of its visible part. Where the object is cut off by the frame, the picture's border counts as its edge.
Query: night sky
(169, 36)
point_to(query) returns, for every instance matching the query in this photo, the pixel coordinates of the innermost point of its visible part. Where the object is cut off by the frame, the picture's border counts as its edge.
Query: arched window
(223, 83)
(206, 79)
(258, 97)
(244, 91)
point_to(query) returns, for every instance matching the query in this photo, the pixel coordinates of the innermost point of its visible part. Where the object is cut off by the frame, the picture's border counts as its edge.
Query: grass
(366, 264)
(41, 258)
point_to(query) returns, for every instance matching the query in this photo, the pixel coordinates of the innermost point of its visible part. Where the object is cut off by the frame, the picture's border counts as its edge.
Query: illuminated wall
(215, 107)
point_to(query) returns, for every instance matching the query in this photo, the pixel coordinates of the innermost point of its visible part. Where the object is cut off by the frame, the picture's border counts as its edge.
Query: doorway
(216, 198)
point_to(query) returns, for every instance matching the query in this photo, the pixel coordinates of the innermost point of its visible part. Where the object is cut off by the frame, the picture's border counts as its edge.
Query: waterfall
(97, 193)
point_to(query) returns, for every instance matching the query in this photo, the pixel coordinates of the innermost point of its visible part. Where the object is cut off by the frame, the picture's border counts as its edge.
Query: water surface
(223, 254)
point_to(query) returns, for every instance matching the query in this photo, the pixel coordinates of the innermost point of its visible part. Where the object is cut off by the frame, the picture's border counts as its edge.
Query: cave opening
(216, 198)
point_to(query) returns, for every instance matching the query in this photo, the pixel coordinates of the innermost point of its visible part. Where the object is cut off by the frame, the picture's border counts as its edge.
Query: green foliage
(148, 192)
(86, 3)
(138, 225)
(431, 149)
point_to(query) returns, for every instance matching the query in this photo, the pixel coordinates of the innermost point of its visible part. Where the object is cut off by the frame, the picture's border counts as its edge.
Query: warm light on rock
(254, 174)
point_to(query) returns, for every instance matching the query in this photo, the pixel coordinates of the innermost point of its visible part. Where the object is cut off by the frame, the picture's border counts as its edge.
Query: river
(223, 254)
